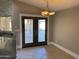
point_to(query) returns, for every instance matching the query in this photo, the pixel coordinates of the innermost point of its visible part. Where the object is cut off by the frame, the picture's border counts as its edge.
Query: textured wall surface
(66, 29)
(6, 9)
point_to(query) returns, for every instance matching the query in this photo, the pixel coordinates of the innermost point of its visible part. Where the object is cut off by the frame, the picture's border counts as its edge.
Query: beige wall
(25, 9)
(66, 29)
(51, 23)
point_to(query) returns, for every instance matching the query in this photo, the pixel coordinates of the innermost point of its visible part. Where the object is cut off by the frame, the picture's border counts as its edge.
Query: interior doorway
(34, 31)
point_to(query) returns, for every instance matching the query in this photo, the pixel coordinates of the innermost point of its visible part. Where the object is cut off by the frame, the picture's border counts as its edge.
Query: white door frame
(32, 16)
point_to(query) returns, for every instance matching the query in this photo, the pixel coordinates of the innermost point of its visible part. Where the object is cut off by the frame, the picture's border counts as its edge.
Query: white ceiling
(53, 4)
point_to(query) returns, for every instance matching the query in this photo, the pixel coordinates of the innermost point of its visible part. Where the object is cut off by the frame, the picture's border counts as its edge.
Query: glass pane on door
(41, 30)
(28, 30)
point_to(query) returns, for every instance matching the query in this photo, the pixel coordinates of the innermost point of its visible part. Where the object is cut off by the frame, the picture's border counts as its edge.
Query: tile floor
(42, 52)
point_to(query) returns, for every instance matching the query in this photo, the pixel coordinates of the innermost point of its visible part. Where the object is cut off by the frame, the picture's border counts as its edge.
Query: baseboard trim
(48, 43)
(66, 50)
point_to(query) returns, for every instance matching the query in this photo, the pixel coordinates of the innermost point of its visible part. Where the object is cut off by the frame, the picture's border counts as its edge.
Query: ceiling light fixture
(46, 12)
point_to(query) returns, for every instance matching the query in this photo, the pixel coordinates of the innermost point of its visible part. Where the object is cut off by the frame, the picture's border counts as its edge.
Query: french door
(34, 31)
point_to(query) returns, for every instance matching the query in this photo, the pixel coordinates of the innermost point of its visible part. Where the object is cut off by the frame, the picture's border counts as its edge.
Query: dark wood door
(34, 31)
